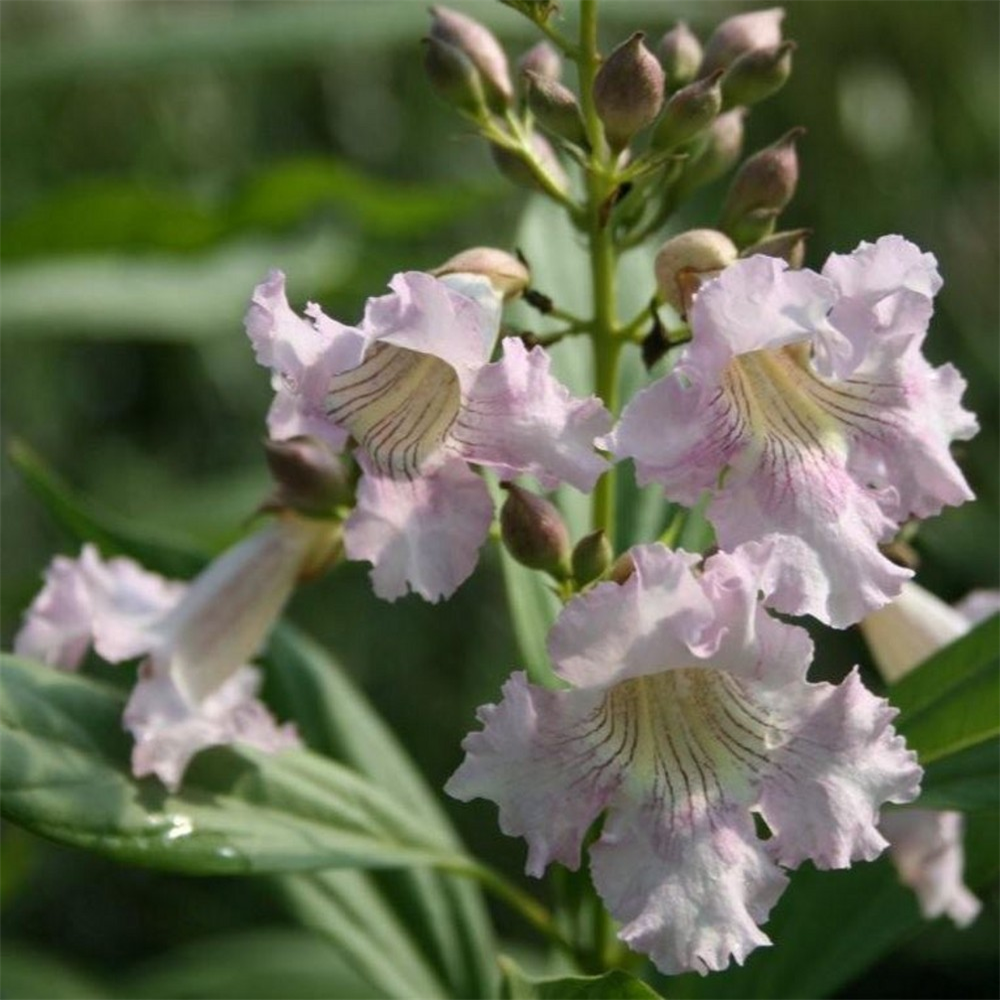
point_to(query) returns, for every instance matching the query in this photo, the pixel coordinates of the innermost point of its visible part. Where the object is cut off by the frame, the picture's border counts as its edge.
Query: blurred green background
(159, 157)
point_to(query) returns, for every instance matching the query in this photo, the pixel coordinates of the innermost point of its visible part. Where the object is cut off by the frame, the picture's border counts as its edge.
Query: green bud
(556, 108)
(758, 29)
(591, 557)
(542, 60)
(505, 272)
(680, 56)
(309, 477)
(757, 74)
(686, 260)
(533, 532)
(690, 111)
(513, 166)
(789, 245)
(482, 49)
(764, 184)
(720, 147)
(454, 77)
(628, 91)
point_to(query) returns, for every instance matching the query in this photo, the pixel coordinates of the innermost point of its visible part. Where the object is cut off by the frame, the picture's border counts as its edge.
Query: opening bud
(555, 107)
(482, 49)
(310, 478)
(721, 146)
(764, 184)
(515, 168)
(759, 29)
(680, 55)
(622, 569)
(591, 557)
(789, 245)
(628, 91)
(508, 276)
(533, 532)
(690, 111)
(454, 77)
(542, 60)
(757, 74)
(687, 260)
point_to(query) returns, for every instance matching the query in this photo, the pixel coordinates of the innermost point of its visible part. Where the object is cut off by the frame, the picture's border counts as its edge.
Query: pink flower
(804, 406)
(414, 388)
(689, 712)
(926, 845)
(195, 689)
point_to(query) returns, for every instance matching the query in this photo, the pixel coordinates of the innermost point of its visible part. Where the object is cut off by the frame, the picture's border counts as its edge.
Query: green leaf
(30, 974)
(951, 702)
(614, 985)
(968, 780)
(65, 775)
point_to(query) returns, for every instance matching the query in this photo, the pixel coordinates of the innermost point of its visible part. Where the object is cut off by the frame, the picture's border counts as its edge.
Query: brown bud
(721, 148)
(513, 166)
(765, 183)
(680, 55)
(758, 29)
(622, 568)
(686, 260)
(556, 108)
(591, 557)
(454, 77)
(542, 60)
(690, 111)
(628, 91)
(533, 532)
(789, 245)
(757, 75)
(505, 272)
(310, 478)
(479, 44)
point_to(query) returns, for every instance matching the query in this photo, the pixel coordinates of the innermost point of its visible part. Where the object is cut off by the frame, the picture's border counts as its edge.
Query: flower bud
(680, 55)
(764, 184)
(723, 144)
(759, 29)
(542, 60)
(757, 74)
(505, 272)
(789, 245)
(690, 111)
(454, 77)
(555, 107)
(482, 49)
(684, 261)
(533, 532)
(591, 557)
(622, 568)
(628, 91)
(513, 167)
(310, 478)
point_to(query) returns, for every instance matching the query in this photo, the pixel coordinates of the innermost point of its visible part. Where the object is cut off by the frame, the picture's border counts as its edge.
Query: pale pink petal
(653, 621)
(518, 418)
(546, 759)
(842, 762)
(430, 316)
(979, 605)
(423, 534)
(170, 729)
(690, 898)
(926, 848)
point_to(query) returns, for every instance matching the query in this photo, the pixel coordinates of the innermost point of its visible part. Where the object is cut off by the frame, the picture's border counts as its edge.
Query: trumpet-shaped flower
(689, 713)
(194, 689)
(414, 388)
(804, 406)
(926, 845)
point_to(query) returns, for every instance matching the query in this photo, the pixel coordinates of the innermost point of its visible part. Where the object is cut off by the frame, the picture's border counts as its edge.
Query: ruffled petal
(518, 418)
(841, 763)
(169, 729)
(927, 851)
(114, 605)
(428, 315)
(653, 621)
(690, 899)
(548, 759)
(423, 534)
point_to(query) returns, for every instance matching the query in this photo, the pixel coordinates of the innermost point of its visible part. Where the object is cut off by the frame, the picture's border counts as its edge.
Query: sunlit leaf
(614, 985)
